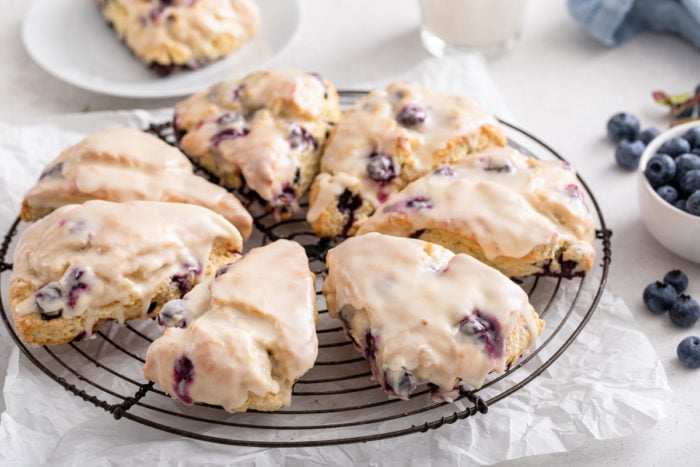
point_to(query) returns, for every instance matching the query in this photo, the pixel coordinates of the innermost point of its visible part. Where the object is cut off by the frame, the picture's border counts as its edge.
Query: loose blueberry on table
(688, 352)
(622, 126)
(685, 312)
(628, 153)
(648, 135)
(678, 279)
(659, 297)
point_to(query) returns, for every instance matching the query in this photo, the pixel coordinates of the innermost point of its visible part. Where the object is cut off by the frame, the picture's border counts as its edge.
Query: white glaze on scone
(244, 337)
(182, 33)
(123, 164)
(266, 130)
(421, 314)
(80, 258)
(413, 127)
(509, 203)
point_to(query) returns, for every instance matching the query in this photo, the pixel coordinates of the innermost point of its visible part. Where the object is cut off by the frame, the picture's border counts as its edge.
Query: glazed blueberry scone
(516, 213)
(386, 140)
(123, 164)
(168, 35)
(464, 321)
(263, 133)
(99, 261)
(241, 339)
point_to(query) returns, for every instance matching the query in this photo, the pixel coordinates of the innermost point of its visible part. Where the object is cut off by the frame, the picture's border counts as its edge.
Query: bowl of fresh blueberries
(669, 189)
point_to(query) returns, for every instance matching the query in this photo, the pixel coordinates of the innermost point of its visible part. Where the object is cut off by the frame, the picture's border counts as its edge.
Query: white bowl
(676, 230)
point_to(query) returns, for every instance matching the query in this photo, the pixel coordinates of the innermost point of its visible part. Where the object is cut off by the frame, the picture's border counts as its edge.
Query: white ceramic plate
(71, 40)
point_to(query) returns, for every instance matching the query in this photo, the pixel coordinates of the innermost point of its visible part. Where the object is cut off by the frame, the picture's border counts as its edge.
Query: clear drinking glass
(456, 26)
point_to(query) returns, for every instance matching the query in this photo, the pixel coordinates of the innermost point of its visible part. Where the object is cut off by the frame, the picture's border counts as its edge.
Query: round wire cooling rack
(336, 402)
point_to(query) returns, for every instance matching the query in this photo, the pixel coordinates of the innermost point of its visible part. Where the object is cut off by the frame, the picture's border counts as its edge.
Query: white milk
(486, 25)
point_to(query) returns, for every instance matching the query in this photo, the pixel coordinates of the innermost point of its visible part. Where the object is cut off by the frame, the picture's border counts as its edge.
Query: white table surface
(560, 84)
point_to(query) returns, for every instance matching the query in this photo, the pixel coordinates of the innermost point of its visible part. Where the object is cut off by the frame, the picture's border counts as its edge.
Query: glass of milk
(456, 26)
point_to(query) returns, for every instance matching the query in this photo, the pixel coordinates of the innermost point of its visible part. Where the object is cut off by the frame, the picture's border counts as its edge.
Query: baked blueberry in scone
(123, 164)
(98, 261)
(421, 314)
(386, 140)
(262, 134)
(518, 214)
(241, 339)
(170, 35)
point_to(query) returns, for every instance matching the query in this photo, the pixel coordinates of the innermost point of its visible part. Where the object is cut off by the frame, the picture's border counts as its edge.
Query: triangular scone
(240, 340)
(421, 314)
(98, 261)
(263, 133)
(167, 35)
(123, 164)
(386, 140)
(516, 213)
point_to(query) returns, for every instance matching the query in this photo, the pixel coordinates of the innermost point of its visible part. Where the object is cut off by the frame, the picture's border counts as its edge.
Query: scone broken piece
(519, 214)
(386, 140)
(123, 164)
(242, 339)
(168, 35)
(263, 134)
(421, 314)
(100, 261)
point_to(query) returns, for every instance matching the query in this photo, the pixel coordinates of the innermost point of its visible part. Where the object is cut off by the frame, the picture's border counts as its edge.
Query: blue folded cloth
(614, 21)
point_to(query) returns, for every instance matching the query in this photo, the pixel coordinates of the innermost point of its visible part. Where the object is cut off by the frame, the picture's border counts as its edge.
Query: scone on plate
(519, 214)
(99, 261)
(421, 314)
(385, 141)
(123, 164)
(169, 35)
(263, 134)
(242, 339)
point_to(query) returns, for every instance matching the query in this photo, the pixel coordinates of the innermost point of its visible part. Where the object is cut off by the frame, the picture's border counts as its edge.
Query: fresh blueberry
(690, 182)
(660, 170)
(685, 312)
(172, 314)
(228, 133)
(49, 300)
(684, 163)
(692, 136)
(380, 167)
(675, 147)
(695, 151)
(649, 134)
(622, 126)
(680, 204)
(667, 193)
(692, 204)
(659, 297)
(402, 383)
(677, 279)
(628, 153)
(183, 375)
(688, 352)
(485, 329)
(411, 115)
